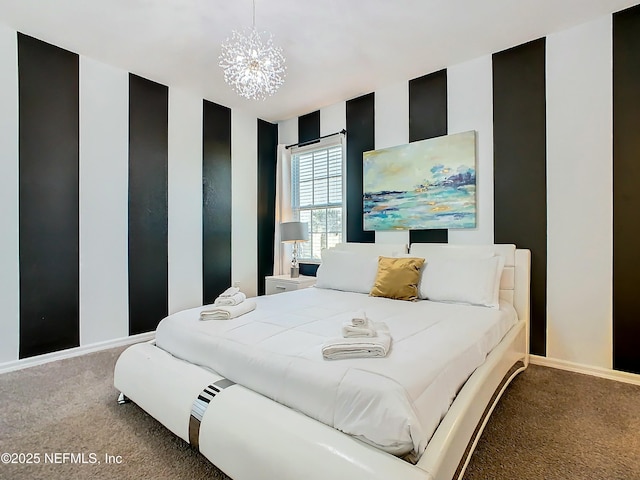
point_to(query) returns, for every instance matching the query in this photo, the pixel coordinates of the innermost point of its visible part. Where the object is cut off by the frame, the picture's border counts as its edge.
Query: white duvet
(394, 403)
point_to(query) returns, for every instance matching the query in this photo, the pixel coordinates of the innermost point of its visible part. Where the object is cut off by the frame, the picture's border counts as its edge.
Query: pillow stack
(469, 279)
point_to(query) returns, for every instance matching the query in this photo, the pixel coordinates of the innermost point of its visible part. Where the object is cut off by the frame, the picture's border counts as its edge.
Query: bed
(267, 405)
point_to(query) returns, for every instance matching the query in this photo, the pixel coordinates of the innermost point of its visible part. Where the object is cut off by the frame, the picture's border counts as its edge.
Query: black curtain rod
(310, 142)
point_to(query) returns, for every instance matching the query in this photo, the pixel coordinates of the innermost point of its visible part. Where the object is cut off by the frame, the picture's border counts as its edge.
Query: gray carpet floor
(550, 424)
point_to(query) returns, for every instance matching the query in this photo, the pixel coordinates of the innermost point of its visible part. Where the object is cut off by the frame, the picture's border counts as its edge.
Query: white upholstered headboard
(514, 284)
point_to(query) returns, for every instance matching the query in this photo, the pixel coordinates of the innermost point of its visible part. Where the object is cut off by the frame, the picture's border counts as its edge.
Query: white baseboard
(74, 352)
(586, 369)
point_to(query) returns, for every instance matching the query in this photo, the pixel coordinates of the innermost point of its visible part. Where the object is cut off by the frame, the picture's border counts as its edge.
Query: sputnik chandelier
(253, 67)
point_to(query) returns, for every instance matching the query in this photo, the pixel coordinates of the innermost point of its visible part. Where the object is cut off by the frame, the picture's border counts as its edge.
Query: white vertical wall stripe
(9, 250)
(391, 129)
(333, 118)
(185, 200)
(470, 107)
(579, 194)
(104, 113)
(392, 115)
(288, 130)
(244, 201)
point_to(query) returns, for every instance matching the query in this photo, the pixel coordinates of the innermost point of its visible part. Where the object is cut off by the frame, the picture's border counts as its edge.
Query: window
(316, 196)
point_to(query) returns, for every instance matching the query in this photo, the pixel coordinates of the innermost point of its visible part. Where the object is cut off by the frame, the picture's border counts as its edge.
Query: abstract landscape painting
(430, 184)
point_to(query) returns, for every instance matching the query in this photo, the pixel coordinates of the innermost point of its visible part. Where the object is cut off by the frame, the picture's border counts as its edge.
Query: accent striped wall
(148, 204)
(557, 172)
(519, 143)
(48, 204)
(111, 194)
(267, 147)
(309, 127)
(185, 199)
(216, 200)
(626, 194)
(545, 113)
(470, 107)
(9, 205)
(428, 119)
(104, 225)
(579, 200)
(360, 124)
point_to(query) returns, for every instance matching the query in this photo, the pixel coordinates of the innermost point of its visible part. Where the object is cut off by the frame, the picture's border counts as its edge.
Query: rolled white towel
(338, 348)
(232, 300)
(360, 319)
(351, 331)
(230, 292)
(227, 312)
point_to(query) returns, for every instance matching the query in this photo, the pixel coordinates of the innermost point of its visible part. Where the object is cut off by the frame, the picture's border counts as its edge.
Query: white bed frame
(251, 437)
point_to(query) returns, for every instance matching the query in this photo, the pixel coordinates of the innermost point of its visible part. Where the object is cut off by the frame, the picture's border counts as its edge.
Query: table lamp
(294, 232)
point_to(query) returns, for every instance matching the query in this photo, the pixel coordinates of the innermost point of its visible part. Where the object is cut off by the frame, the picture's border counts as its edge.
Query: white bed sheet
(394, 403)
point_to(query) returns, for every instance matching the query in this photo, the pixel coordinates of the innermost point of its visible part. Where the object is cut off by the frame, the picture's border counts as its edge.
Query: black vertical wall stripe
(428, 119)
(626, 195)
(216, 198)
(267, 150)
(519, 136)
(48, 79)
(428, 106)
(148, 177)
(309, 126)
(360, 113)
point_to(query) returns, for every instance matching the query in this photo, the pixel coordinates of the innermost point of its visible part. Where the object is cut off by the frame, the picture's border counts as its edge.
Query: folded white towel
(337, 348)
(360, 319)
(358, 326)
(229, 292)
(350, 331)
(228, 312)
(229, 301)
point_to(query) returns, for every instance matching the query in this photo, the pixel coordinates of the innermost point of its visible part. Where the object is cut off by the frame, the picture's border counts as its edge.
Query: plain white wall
(244, 201)
(470, 107)
(579, 194)
(185, 200)
(104, 173)
(10, 271)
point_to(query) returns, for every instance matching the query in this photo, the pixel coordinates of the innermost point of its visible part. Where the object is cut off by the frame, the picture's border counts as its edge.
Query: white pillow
(347, 271)
(474, 281)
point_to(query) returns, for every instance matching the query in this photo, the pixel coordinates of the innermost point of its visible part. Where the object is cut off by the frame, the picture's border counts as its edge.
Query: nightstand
(284, 283)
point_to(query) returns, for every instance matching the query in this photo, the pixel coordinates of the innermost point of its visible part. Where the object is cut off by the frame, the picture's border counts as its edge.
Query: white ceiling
(335, 49)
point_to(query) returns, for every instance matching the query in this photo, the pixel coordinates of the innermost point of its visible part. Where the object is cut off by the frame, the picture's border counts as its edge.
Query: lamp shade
(294, 231)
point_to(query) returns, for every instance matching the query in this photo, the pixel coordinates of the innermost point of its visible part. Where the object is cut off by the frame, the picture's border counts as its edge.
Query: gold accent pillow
(397, 278)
